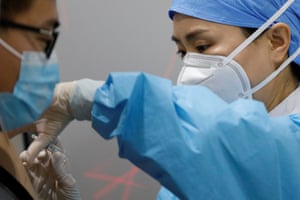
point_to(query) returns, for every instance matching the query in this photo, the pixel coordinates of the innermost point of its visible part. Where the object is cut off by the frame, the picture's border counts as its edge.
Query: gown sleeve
(195, 144)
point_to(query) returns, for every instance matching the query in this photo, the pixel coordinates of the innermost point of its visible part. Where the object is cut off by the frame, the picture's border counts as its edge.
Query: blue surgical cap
(242, 13)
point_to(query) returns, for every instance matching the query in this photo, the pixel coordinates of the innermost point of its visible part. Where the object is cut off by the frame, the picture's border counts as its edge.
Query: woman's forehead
(191, 24)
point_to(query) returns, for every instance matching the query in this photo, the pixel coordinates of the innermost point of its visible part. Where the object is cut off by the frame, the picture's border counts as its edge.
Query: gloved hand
(53, 121)
(50, 175)
(72, 100)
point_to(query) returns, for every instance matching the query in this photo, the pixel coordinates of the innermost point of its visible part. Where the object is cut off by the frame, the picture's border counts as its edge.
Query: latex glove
(72, 100)
(53, 121)
(50, 176)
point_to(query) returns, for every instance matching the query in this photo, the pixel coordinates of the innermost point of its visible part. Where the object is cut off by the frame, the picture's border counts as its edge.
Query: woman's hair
(294, 67)
(10, 8)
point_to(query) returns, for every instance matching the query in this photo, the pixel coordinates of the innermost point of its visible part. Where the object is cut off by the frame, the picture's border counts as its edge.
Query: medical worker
(230, 129)
(28, 75)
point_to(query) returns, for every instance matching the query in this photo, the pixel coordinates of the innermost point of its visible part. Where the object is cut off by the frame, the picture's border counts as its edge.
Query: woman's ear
(280, 37)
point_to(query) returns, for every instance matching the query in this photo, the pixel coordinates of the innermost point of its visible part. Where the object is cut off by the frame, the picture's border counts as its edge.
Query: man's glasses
(49, 34)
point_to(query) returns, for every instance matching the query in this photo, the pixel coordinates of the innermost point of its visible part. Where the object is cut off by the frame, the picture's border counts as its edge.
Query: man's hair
(10, 8)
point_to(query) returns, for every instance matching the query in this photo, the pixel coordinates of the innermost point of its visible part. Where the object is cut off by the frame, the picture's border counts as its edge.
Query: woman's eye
(202, 48)
(181, 53)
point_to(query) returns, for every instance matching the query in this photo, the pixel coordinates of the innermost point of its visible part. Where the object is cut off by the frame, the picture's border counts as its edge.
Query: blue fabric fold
(195, 144)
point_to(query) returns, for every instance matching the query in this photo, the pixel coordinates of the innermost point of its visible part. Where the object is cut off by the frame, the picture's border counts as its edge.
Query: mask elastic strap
(10, 48)
(275, 73)
(251, 38)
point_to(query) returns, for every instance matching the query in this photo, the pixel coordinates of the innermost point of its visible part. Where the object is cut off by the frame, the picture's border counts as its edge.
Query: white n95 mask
(32, 92)
(229, 82)
(223, 75)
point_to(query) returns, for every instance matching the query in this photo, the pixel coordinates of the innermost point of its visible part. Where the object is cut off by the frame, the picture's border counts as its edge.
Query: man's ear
(280, 37)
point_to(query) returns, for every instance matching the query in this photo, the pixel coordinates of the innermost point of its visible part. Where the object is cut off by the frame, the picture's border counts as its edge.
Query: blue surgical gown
(195, 144)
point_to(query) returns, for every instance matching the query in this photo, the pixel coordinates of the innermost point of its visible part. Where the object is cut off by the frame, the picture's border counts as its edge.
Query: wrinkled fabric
(195, 144)
(242, 13)
(81, 99)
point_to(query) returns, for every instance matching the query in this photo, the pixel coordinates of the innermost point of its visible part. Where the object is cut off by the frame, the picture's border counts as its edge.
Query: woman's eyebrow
(190, 36)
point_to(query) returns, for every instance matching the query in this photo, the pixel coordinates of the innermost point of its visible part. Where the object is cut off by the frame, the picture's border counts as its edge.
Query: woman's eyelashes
(202, 48)
(198, 49)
